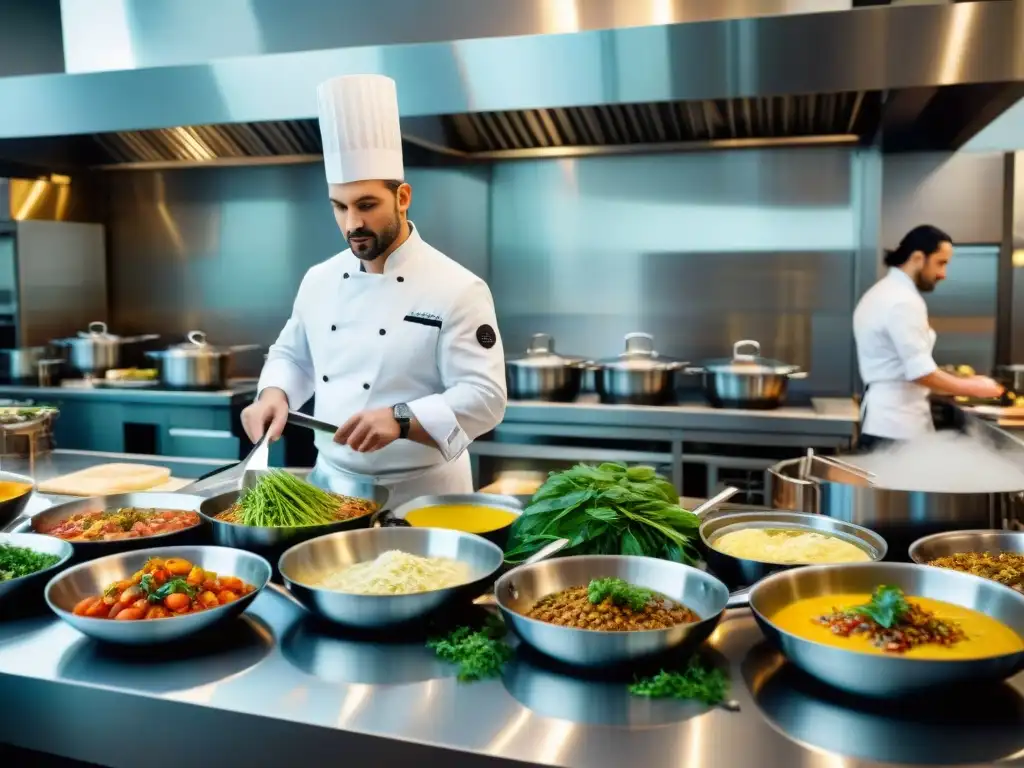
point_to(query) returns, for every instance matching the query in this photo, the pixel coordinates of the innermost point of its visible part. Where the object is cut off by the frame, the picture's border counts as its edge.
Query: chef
(398, 343)
(895, 343)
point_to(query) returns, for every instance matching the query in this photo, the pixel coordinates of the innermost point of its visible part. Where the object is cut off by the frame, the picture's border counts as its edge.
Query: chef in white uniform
(895, 343)
(398, 343)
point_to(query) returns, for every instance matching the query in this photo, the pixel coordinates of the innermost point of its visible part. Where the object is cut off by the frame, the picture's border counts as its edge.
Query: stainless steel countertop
(236, 391)
(796, 419)
(278, 684)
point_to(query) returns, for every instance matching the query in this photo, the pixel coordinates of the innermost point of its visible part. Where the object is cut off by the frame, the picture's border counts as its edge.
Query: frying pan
(519, 589)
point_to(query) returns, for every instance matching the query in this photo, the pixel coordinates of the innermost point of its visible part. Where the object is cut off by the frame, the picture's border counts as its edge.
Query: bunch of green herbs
(697, 680)
(620, 592)
(16, 562)
(609, 509)
(478, 653)
(281, 500)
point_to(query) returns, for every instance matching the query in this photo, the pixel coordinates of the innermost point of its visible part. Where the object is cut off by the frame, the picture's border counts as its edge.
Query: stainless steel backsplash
(224, 249)
(700, 250)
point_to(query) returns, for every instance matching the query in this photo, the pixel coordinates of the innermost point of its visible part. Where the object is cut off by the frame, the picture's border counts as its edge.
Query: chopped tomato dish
(161, 590)
(122, 523)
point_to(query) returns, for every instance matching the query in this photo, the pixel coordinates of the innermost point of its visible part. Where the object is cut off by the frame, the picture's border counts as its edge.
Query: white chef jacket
(894, 347)
(422, 333)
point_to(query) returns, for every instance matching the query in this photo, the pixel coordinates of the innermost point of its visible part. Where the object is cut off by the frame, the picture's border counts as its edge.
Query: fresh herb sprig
(887, 607)
(479, 653)
(609, 509)
(156, 593)
(16, 562)
(619, 592)
(281, 500)
(698, 680)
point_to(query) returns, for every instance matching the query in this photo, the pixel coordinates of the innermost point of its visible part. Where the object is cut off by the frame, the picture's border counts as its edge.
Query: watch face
(403, 412)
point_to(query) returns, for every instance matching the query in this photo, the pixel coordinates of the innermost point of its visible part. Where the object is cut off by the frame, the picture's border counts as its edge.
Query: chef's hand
(368, 431)
(983, 387)
(268, 414)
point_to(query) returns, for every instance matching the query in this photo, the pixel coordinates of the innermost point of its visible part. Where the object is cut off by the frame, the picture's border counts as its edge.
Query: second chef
(398, 343)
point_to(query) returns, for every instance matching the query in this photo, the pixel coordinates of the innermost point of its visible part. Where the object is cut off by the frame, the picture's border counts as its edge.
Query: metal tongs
(244, 474)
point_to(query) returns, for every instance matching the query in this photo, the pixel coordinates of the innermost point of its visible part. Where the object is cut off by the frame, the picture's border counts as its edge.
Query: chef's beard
(380, 241)
(924, 285)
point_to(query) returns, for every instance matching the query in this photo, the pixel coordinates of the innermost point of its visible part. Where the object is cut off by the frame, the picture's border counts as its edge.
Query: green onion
(281, 500)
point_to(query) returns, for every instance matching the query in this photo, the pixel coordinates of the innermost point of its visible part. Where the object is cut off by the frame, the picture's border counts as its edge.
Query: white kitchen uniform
(894, 347)
(422, 333)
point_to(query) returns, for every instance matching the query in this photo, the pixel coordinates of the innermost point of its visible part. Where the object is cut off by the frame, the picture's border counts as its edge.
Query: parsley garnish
(479, 653)
(887, 607)
(619, 592)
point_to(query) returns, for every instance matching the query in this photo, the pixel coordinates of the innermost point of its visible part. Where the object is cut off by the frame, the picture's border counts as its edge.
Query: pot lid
(195, 346)
(98, 332)
(746, 358)
(640, 355)
(541, 354)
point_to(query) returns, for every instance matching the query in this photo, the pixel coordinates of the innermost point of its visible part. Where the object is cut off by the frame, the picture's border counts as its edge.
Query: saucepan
(96, 351)
(197, 364)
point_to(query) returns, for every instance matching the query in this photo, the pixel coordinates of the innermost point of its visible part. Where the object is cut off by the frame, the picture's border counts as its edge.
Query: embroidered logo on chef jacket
(486, 336)
(424, 318)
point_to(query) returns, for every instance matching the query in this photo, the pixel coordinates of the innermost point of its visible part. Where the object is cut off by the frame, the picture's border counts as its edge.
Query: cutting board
(107, 479)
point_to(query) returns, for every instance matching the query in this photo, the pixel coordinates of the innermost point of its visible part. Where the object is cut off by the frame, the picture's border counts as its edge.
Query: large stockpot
(196, 364)
(746, 380)
(899, 516)
(29, 365)
(639, 376)
(96, 351)
(543, 374)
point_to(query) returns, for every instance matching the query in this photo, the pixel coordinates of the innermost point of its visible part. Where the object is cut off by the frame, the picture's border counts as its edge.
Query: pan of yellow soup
(485, 514)
(892, 629)
(744, 547)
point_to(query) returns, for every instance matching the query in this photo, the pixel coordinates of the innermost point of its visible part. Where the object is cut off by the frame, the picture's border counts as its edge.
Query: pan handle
(549, 550)
(739, 599)
(721, 497)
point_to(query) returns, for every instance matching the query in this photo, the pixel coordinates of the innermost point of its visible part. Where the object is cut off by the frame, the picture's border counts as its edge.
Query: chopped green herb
(620, 592)
(16, 562)
(609, 509)
(479, 653)
(698, 681)
(156, 594)
(888, 605)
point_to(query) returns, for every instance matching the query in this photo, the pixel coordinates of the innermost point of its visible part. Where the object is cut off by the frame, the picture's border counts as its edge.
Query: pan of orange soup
(889, 629)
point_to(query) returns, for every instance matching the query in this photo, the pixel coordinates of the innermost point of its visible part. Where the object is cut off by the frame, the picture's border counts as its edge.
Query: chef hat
(359, 126)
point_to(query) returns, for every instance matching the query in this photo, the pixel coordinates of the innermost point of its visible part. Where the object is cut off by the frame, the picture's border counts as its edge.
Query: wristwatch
(403, 415)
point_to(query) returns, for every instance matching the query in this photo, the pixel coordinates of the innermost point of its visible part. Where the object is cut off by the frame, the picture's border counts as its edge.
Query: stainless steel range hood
(914, 77)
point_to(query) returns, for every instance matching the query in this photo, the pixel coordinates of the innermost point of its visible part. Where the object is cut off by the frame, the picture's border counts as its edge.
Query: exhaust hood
(905, 77)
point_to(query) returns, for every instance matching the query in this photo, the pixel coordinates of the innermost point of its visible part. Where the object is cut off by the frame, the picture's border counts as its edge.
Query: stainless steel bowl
(146, 499)
(66, 589)
(928, 548)
(499, 535)
(736, 571)
(885, 676)
(303, 562)
(45, 544)
(519, 589)
(272, 542)
(11, 508)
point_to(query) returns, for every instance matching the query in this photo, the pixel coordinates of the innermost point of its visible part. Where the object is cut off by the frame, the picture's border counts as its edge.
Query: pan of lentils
(611, 605)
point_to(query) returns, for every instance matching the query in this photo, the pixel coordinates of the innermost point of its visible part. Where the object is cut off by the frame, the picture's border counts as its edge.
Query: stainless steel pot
(639, 376)
(746, 380)
(899, 516)
(96, 351)
(543, 374)
(196, 364)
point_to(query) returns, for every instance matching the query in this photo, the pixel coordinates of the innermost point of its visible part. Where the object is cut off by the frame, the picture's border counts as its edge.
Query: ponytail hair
(924, 238)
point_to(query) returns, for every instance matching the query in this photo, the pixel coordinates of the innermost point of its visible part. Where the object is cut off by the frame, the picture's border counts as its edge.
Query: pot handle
(749, 343)
(694, 369)
(244, 347)
(197, 337)
(137, 339)
(640, 344)
(739, 599)
(797, 375)
(541, 344)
